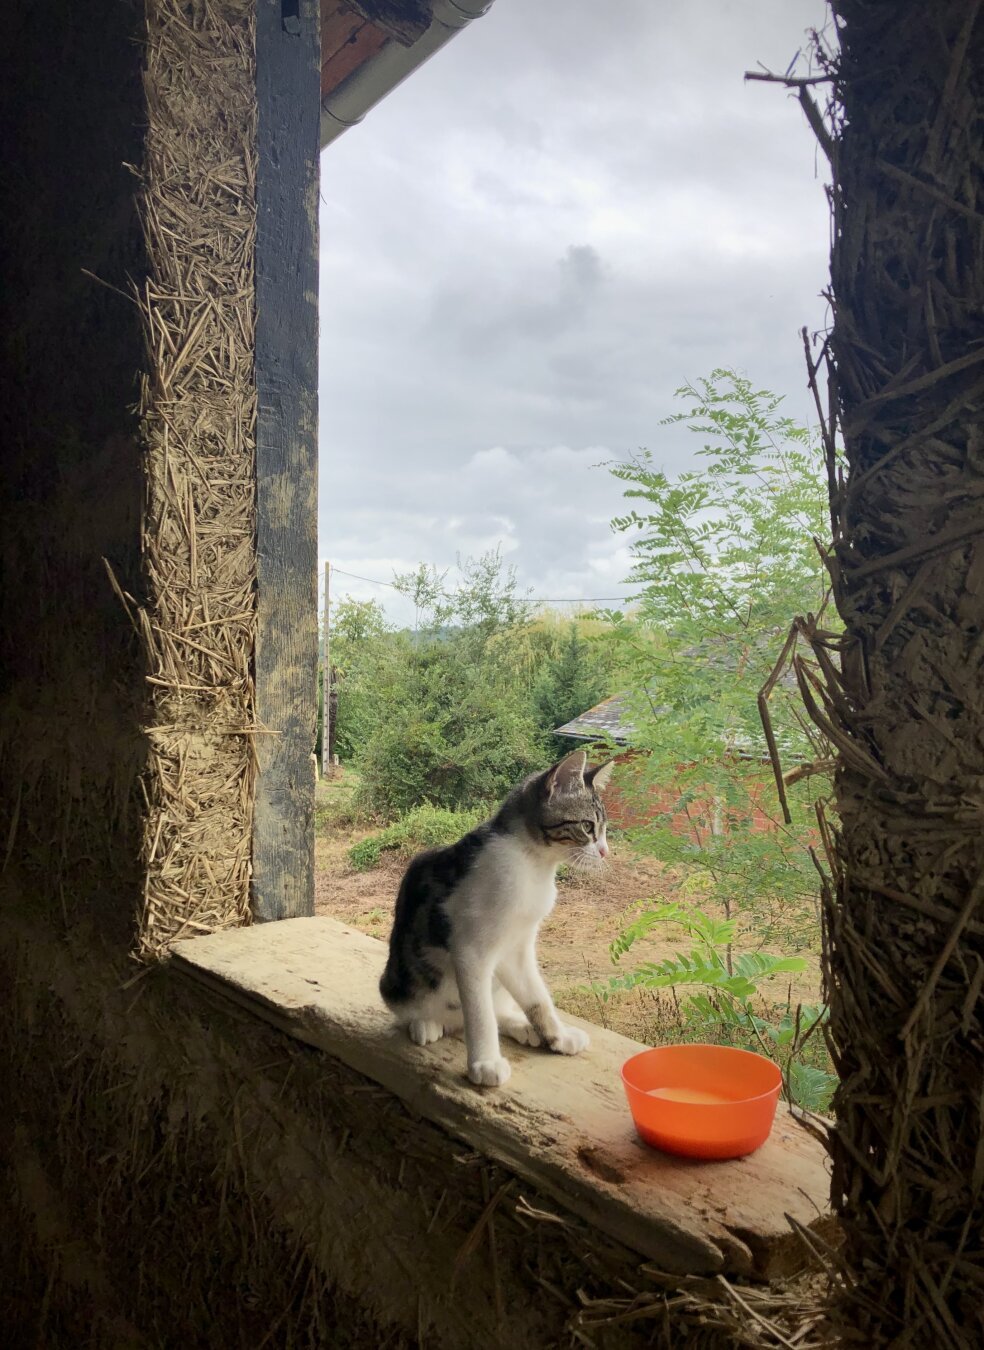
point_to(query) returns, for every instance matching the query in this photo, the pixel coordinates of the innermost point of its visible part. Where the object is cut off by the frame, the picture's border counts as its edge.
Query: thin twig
(789, 81)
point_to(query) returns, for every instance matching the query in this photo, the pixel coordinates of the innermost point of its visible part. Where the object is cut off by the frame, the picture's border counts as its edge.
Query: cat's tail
(396, 984)
(389, 985)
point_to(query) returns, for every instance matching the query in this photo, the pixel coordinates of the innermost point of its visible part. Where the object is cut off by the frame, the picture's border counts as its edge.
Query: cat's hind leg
(512, 1021)
(445, 1006)
(422, 1031)
(436, 1015)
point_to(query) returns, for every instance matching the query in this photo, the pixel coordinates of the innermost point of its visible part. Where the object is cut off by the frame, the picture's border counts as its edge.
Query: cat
(462, 950)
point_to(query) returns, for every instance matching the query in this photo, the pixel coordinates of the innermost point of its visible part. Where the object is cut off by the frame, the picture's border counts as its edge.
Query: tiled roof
(608, 718)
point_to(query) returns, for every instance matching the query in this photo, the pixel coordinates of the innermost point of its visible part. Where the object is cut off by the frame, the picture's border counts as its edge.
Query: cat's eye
(589, 825)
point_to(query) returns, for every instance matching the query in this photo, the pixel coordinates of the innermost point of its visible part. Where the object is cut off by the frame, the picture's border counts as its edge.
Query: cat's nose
(602, 848)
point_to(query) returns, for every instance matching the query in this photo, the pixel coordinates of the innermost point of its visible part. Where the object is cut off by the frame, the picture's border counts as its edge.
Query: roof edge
(345, 106)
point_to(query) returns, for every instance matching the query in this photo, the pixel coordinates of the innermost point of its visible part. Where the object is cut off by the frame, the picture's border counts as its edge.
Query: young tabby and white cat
(463, 946)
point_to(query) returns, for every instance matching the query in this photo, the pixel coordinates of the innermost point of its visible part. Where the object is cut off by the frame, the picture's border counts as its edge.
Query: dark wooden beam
(288, 77)
(404, 20)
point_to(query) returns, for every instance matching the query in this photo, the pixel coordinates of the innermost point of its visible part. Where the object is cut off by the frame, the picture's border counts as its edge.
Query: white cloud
(528, 247)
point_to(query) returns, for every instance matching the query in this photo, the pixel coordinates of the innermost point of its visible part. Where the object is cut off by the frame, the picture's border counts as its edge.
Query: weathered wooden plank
(563, 1124)
(338, 25)
(288, 74)
(362, 43)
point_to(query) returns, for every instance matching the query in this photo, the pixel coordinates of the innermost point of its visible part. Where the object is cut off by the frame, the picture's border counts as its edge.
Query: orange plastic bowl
(704, 1101)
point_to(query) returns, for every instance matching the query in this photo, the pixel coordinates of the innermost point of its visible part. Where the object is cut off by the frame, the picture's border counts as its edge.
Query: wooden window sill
(560, 1123)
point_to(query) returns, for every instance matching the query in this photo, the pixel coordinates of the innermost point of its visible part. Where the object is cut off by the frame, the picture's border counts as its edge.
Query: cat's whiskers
(579, 860)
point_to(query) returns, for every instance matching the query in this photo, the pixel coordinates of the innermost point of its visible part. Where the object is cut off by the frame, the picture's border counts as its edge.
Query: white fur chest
(525, 886)
(507, 897)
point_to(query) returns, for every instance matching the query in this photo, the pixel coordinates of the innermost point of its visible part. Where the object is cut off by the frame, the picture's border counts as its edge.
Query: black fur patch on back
(421, 921)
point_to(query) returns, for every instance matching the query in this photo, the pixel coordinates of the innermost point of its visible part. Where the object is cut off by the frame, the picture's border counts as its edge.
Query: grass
(424, 827)
(335, 805)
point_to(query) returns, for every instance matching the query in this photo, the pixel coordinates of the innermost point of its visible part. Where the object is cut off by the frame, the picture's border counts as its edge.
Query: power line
(528, 600)
(340, 572)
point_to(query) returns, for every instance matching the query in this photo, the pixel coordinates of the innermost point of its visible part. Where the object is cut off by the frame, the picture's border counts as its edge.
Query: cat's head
(571, 817)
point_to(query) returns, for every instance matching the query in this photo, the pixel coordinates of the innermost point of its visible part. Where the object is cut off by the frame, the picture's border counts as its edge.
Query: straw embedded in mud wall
(198, 412)
(905, 912)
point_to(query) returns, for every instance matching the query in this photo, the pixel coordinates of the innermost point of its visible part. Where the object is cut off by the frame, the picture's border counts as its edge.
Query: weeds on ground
(336, 804)
(424, 827)
(715, 993)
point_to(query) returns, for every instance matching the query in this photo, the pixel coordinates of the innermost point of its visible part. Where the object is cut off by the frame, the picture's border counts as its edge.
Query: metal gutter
(347, 105)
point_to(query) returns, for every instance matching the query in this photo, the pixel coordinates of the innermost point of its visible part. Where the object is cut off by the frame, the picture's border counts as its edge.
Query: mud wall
(70, 484)
(183, 1175)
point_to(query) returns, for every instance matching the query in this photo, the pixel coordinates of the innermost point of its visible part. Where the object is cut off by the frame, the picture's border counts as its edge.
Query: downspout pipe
(347, 105)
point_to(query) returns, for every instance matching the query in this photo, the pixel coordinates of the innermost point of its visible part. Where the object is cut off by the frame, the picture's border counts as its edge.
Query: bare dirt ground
(574, 941)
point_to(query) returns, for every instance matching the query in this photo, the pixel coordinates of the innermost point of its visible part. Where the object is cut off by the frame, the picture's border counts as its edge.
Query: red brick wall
(627, 810)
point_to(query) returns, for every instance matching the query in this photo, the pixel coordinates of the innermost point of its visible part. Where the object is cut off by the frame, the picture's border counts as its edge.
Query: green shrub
(365, 854)
(453, 737)
(720, 997)
(424, 827)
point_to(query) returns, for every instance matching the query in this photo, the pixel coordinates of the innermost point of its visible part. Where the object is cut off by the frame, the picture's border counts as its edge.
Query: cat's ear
(598, 777)
(566, 775)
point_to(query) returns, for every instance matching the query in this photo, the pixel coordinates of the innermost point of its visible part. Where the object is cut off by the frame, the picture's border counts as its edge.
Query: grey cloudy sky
(527, 247)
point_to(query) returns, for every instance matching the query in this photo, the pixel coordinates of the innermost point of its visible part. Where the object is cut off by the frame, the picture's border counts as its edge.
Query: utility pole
(326, 685)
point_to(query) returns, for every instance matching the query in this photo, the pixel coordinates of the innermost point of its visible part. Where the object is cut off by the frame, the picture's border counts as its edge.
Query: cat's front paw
(569, 1041)
(422, 1032)
(489, 1072)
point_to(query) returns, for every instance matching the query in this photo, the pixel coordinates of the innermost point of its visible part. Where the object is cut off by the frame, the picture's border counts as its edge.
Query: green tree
(354, 623)
(451, 728)
(363, 653)
(725, 558)
(574, 677)
(424, 586)
(484, 601)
